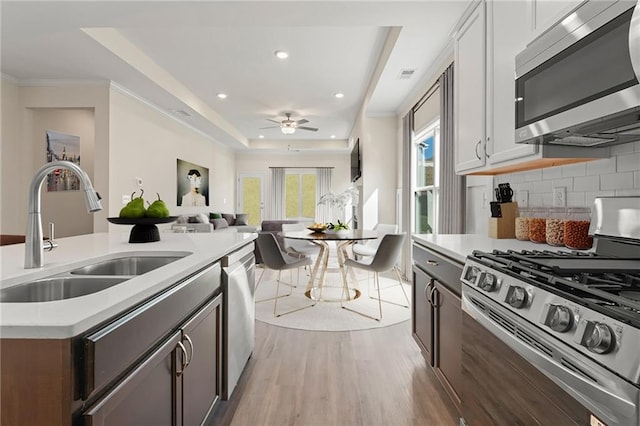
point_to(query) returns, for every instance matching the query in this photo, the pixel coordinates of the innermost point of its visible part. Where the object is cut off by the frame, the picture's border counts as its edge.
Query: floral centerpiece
(337, 202)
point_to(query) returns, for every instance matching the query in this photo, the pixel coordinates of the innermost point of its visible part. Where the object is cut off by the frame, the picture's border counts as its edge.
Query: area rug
(328, 315)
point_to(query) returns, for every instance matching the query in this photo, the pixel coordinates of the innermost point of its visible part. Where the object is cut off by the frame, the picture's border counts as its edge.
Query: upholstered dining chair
(298, 247)
(273, 258)
(369, 248)
(383, 260)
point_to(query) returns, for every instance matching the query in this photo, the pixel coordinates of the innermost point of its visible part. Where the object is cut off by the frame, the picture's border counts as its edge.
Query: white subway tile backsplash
(609, 177)
(566, 182)
(533, 175)
(551, 173)
(578, 169)
(589, 197)
(616, 181)
(586, 183)
(543, 186)
(600, 167)
(627, 192)
(575, 199)
(628, 162)
(536, 200)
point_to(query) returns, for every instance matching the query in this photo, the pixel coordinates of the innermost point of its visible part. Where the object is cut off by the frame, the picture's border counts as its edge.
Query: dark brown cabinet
(201, 378)
(178, 384)
(437, 316)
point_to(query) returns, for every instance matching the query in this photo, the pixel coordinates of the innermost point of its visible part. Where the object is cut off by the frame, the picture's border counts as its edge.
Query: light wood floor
(313, 378)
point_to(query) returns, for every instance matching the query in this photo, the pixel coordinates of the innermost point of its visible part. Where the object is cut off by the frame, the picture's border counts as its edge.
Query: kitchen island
(148, 348)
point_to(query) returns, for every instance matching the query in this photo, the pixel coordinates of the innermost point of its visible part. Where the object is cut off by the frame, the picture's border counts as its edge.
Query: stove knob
(517, 297)
(487, 282)
(559, 318)
(599, 338)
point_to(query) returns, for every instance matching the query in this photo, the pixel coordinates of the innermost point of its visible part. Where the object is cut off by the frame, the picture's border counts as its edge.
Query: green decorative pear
(158, 208)
(134, 208)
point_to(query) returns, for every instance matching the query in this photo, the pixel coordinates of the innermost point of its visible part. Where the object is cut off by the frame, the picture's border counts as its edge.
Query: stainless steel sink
(135, 265)
(57, 288)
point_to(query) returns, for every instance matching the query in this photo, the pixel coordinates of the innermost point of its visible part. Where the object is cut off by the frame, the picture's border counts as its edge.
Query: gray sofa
(199, 222)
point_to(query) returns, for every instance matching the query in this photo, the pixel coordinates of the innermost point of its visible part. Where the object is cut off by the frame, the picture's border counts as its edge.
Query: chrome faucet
(34, 246)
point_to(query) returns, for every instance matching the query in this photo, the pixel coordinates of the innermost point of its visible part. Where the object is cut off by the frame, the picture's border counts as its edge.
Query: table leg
(319, 260)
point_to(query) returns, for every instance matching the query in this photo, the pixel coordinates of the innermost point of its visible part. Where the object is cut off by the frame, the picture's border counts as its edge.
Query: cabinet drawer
(110, 351)
(444, 269)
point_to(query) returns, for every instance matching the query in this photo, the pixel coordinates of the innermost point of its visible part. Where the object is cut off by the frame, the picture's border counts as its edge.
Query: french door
(251, 197)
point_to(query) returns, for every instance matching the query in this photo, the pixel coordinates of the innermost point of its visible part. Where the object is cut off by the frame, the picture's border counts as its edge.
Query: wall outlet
(139, 181)
(522, 197)
(125, 199)
(560, 196)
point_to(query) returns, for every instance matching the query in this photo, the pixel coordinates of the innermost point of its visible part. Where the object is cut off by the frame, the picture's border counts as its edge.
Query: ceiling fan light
(288, 130)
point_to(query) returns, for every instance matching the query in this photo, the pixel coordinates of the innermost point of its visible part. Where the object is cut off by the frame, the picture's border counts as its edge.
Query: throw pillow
(215, 216)
(194, 219)
(242, 219)
(219, 223)
(229, 218)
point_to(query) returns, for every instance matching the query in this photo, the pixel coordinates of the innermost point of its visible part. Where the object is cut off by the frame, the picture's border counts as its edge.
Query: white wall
(146, 143)
(378, 153)
(13, 203)
(56, 206)
(25, 110)
(259, 162)
(131, 139)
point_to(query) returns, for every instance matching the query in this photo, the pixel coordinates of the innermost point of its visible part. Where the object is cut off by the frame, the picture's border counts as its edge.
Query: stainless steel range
(575, 316)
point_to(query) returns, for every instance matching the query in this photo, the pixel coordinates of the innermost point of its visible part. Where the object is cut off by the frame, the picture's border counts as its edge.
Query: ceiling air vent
(181, 113)
(406, 73)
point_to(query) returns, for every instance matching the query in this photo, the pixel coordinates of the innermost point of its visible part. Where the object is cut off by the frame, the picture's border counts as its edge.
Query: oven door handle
(612, 405)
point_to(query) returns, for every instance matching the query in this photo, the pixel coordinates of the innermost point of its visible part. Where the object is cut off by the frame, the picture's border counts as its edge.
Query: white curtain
(277, 192)
(451, 207)
(323, 186)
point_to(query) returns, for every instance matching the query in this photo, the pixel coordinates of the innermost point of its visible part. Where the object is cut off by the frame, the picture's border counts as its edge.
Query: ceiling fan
(289, 126)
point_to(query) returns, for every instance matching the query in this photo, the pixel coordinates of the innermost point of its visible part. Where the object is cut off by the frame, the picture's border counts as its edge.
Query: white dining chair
(383, 260)
(275, 259)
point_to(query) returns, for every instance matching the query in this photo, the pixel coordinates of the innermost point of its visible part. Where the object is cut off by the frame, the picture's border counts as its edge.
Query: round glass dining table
(319, 271)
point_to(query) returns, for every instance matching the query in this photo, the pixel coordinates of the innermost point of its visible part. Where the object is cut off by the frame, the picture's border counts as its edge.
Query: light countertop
(71, 317)
(458, 246)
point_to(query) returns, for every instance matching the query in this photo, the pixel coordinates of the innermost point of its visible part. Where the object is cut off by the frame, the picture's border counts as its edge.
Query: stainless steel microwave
(577, 83)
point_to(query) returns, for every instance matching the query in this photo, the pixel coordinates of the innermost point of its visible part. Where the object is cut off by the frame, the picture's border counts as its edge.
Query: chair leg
(395, 269)
(269, 298)
(275, 304)
(362, 313)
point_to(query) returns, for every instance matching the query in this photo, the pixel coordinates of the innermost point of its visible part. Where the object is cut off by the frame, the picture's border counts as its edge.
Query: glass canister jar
(522, 223)
(555, 226)
(538, 225)
(576, 228)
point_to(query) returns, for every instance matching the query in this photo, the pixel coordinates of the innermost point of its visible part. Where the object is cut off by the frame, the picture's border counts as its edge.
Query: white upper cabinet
(546, 12)
(486, 45)
(508, 29)
(469, 92)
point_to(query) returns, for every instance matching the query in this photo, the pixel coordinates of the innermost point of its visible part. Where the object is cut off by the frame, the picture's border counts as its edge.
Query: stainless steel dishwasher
(238, 285)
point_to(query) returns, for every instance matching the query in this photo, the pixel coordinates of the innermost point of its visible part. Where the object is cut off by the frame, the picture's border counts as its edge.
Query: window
(300, 194)
(425, 178)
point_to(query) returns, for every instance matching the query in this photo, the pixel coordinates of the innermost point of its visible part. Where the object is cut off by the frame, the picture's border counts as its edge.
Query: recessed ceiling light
(261, 136)
(332, 136)
(339, 95)
(281, 54)
(222, 95)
